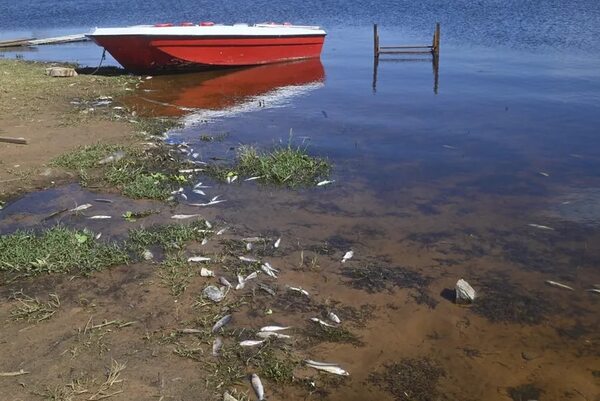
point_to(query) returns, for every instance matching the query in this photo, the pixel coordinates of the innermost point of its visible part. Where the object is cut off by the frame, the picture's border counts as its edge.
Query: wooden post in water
(375, 41)
(435, 46)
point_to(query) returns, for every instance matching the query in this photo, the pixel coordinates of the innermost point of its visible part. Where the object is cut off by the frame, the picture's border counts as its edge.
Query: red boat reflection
(223, 90)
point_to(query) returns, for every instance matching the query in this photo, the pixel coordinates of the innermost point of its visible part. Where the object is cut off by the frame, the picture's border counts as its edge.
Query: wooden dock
(14, 42)
(38, 42)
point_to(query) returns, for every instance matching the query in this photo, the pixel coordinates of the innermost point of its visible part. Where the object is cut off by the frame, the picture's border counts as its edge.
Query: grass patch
(283, 165)
(176, 273)
(32, 309)
(168, 237)
(57, 250)
(376, 278)
(85, 157)
(410, 379)
(156, 126)
(322, 333)
(524, 392)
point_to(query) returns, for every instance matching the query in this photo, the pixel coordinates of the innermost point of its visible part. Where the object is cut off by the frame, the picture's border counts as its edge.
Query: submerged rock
(147, 255)
(213, 293)
(465, 294)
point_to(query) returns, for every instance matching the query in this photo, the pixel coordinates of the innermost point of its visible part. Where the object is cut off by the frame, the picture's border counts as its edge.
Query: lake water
(443, 173)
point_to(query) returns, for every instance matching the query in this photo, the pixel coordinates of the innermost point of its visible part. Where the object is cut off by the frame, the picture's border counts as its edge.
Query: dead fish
(251, 343)
(267, 289)
(543, 173)
(325, 182)
(275, 328)
(252, 239)
(559, 285)
(184, 216)
(184, 196)
(101, 200)
(221, 231)
(221, 322)
(336, 370)
(225, 282)
(253, 178)
(449, 147)
(204, 241)
(247, 259)
(98, 235)
(594, 290)
(258, 387)
(217, 345)
(321, 322)
(242, 280)
(269, 270)
(232, 179)
(113, 158)
(177, 191)
(80, 208)
(213, 293)
(100, 217)
(249, 246)
(272, 334)
(298, 289)
(215, 198)
(540, 226)
(251, 276)
(347, 256)
(316, 363)
(199, 192)
(208, 224)
(204, 272)
(190, 331)
(195, 155)
(334, 318)
(199, 185)
(277, 243)
(198, 259)
(208, 203)
(190, 170)
(228, 397)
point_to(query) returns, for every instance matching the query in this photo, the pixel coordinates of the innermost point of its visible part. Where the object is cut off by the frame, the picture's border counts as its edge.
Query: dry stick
(11, 374)
(18, 141)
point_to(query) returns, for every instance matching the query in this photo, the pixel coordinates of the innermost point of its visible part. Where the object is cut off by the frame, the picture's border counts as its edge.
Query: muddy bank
(55, 115)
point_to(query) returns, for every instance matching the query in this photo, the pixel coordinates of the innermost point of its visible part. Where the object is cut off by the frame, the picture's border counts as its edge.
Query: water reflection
(435, 66)
(211, 93)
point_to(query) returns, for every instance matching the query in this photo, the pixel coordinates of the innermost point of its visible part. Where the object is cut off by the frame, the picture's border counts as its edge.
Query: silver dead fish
(298, 289)
(221, 231)
(225, 282)
(321, 322)
(275, 328)
(199, 192)
(253, 178)
(334, 318)
(198, 259)
(81, 207)
(184, 216)
(99, 217)
(247, 259)
(217, 345)
(204, 241)
(272, 334)
(251, 343)
(325, 182)
(594, 290)
(269, 270)
(277, 243)
(559, 285)
(204, 272)
(267, 289)
(347, 256)
(541, 227)
(231, 179)
(334, 369)
(221, 322)
(249, 246)
(258, 387)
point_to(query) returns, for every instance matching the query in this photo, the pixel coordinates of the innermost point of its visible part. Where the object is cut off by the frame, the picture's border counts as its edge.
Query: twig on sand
(12, 374)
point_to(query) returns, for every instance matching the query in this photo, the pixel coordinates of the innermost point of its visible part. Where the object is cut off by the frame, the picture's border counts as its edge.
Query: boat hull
(152, 53)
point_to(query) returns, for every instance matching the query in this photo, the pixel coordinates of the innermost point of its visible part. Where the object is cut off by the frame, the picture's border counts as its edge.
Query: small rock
(529, 356)
(61, 72)
(147, 255)
(213, 293)
(465, 294)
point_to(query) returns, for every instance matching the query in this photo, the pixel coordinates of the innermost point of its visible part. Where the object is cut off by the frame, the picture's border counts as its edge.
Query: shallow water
(442, 181)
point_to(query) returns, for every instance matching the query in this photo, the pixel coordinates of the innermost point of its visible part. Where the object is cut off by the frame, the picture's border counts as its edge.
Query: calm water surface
(443, 179)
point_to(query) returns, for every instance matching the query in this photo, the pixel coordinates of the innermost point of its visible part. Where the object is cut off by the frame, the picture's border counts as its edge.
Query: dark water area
(449, 172)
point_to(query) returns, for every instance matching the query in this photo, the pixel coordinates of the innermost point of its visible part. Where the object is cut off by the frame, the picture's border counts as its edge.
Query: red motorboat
(162, 47)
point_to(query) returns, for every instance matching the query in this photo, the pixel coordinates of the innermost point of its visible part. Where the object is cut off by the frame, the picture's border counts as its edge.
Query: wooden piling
(375, 41)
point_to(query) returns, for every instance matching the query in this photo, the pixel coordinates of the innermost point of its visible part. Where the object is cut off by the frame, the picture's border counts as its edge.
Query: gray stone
(465, 294)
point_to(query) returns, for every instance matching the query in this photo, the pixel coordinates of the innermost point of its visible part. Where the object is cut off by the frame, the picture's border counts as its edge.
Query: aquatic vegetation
(85, 157)
(213, 138)
(168, 237)
(321, 333)
(502, 301)
(284, 165)
(410, 379)
(32, 309)
(57, 250)
(525, 392)
(375, 278)
(156, 126)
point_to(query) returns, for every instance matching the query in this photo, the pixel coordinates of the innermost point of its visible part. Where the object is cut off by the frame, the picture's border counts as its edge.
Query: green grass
(57, 250)
(175, 273)
(156, 126)
(168, 237)
(284, 165)
(85, 157)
